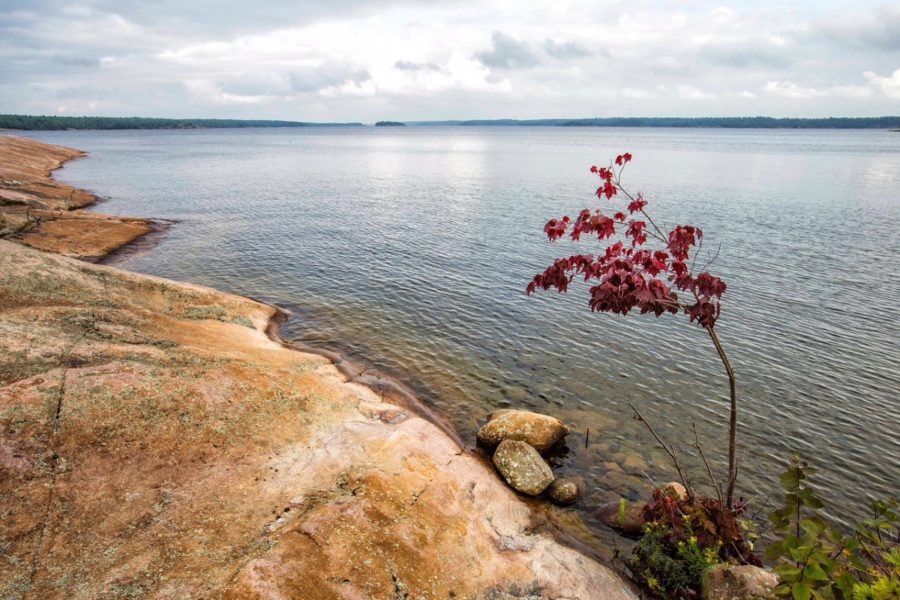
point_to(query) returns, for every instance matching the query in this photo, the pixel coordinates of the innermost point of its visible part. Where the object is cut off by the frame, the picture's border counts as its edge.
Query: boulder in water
(540, 431)
(522, 467)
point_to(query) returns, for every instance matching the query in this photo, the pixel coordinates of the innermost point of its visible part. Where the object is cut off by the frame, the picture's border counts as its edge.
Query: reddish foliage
(713, 525)
(633, 276)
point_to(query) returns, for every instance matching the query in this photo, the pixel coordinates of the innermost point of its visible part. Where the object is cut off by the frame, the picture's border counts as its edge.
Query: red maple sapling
(644, 269)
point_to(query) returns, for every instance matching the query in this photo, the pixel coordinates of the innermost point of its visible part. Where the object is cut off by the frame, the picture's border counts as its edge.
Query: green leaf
(800, 591)
(834, 535)
(790, 479)
(808, 498)
(775, 551)
(786, 573)
(815, 572)
(844, 583)
(811, 527)
(782, 590)
(800, 554)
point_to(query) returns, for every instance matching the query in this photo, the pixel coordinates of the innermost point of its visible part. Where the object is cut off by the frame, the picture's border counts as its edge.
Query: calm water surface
(408, 250)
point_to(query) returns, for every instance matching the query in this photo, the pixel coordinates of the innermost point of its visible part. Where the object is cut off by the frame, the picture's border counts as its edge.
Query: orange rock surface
(45, 214)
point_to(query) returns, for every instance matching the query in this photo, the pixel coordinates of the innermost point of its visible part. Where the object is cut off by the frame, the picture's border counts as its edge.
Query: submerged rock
(522, 467)
(563, 492)
(627, 518)
(540, 431)
(738, 582)
(631, 463)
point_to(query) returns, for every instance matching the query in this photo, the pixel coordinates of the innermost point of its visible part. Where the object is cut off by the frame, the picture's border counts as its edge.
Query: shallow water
(408, 250)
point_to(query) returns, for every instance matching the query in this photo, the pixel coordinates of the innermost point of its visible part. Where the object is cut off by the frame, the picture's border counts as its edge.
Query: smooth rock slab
(522, 467)
(540, 431)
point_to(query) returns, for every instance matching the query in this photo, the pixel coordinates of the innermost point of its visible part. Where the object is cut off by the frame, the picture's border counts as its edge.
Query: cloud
(78, 61)
(887, 86)
(635, 94)
(212, 92)
(328, 75)
(257, 83)
(669, 65)
(507, 53)
(745, 55)
(565, 50)
(358, 60)
(198, 18)
(879, 30)
(416, 67)
(689, 92)
(789, 89)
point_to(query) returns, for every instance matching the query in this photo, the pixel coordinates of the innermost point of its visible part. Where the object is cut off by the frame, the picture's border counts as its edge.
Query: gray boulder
(522, 467)
(563, 492)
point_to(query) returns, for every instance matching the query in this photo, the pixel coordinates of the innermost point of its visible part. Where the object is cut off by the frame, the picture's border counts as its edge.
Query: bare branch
(713, 257)
(668, 449)
(712, 478)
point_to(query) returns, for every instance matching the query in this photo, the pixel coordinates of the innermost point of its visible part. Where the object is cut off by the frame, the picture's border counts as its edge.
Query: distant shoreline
(57, 123)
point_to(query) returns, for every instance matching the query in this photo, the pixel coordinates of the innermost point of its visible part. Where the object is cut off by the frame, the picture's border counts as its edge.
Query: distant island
(50, 123)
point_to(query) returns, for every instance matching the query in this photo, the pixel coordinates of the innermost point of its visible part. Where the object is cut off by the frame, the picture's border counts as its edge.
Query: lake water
(408, 250)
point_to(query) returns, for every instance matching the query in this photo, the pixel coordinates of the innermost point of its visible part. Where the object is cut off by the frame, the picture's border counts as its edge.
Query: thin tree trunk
(732, 424)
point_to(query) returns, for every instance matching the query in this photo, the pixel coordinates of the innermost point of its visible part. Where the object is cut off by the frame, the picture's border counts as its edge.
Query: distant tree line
(727, 122)
(48, 123)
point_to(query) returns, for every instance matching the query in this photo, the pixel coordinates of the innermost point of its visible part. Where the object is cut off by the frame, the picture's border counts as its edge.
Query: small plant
(658, 568)
(623, 511)
(682, 538)
(814, 560)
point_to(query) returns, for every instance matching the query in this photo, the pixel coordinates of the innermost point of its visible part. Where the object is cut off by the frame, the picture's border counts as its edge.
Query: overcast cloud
(376, 59)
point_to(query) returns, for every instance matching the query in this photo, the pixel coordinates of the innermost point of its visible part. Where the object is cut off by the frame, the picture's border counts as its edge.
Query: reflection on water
(409, 250)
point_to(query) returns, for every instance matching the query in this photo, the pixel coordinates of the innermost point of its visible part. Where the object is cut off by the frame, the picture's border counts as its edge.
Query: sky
(370, 60)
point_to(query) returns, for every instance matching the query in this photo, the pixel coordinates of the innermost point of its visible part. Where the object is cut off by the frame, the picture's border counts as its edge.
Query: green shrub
(682, 538)
(815, 560)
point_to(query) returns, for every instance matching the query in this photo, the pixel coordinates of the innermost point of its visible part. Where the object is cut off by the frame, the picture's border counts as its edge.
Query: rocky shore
(40, 212)
(156, 442)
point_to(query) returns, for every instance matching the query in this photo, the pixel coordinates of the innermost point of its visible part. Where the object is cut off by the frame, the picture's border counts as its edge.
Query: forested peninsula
(47, 123)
